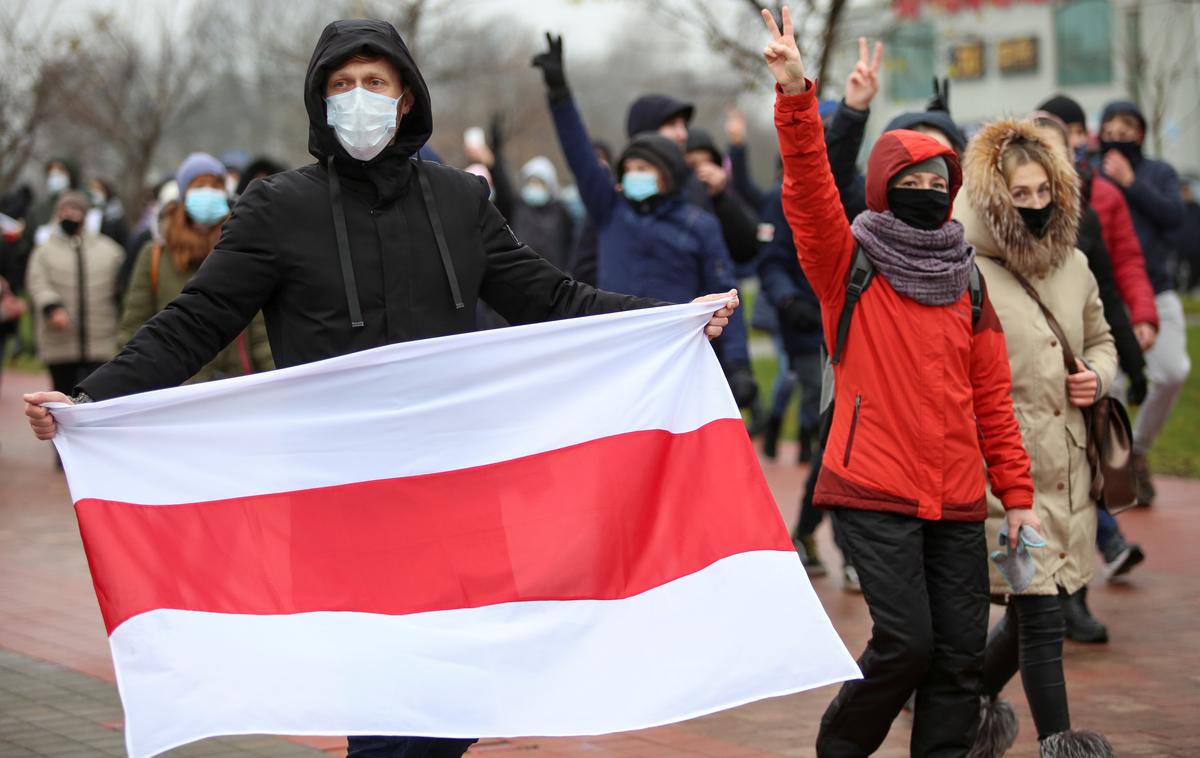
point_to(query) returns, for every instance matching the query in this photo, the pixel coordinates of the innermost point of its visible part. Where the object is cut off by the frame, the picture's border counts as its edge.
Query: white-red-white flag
(556, 529)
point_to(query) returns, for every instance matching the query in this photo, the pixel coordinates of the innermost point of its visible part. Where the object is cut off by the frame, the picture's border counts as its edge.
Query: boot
(806, 446)
(998, 727)
(771, 430)
(1082, 626)
(1143, 480)
(1076, 743)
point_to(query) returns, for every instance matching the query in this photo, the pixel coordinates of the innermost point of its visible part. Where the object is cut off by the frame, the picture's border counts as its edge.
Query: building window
(910, 60)
(1083, 32)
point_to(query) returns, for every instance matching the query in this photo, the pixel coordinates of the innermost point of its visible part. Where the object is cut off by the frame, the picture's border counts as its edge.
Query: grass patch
(1177, 450)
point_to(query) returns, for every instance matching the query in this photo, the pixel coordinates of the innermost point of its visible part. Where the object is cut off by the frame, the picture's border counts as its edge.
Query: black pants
(64, 376)
(926, 586)
(405, 747)
(1030, 638)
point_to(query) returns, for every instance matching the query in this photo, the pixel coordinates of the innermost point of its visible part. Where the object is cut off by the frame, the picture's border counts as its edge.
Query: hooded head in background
(662, 114)
(664, 155)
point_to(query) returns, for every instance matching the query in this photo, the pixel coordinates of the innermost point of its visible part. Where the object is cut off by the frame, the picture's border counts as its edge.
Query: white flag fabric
(555, 529)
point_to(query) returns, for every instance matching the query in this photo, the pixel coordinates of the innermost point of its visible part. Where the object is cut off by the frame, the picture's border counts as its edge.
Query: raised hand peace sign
(782, 55)
(863, 83)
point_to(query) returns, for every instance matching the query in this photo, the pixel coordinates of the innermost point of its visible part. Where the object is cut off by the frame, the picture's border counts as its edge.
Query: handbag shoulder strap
(1051, 321)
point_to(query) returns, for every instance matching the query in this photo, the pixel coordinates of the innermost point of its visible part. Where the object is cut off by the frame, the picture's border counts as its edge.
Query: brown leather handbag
(1109, 435)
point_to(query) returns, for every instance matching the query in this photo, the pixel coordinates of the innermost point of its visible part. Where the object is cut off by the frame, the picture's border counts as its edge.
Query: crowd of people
(948, 316)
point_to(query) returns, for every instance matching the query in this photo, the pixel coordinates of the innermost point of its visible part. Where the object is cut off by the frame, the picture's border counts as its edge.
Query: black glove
(551, 64)
(800, 315)
(941, 96)
(496, 133)
(742, 384)
(1137, 388)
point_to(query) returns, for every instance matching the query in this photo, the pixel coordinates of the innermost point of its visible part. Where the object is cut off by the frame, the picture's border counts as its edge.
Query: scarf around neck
(932, 266)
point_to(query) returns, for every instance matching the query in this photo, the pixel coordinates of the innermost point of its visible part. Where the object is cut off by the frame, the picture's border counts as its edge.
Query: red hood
(898, 149)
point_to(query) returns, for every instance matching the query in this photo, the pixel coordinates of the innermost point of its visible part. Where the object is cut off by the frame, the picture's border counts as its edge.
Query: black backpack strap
(862, 271)
(435, 220)
(975, 287)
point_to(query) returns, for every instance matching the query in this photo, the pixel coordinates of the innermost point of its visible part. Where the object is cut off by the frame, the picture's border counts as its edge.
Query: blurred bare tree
(733, 29)
(1153, 78)
(28, 84)
(127, 91)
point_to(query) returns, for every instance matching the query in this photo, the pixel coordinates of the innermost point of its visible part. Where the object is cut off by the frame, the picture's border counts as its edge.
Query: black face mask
(1131, 150)
(1037, 220)
(919, 208)
(70, 226)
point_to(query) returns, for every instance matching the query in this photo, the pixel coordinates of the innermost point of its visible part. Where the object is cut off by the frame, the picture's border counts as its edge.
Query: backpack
(860, 276)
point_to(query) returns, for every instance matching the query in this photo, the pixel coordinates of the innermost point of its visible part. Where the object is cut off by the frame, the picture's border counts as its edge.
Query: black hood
(939, 120)
(1123, 108)
(341, 40)
(700, 139)
(649, 112)
(660, 151)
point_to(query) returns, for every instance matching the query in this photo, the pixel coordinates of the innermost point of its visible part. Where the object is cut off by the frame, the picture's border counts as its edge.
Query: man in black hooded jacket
(352, 253)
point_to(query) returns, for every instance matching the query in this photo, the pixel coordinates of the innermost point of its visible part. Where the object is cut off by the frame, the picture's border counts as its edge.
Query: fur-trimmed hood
(993, 224)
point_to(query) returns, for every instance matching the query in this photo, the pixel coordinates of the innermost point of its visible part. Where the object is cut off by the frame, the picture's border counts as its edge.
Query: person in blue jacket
(652, 241)
(1151, 187)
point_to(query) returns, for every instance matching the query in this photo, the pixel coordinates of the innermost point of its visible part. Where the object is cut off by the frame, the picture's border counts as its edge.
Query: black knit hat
(1065, 108)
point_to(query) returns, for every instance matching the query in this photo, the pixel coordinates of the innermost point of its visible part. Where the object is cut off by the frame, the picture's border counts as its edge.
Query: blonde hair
(1019, 152)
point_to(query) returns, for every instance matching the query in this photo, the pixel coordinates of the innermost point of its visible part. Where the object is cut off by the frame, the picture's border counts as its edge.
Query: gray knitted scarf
(932, 267)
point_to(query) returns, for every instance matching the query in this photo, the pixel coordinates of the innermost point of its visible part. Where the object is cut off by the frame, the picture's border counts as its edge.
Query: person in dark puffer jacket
(652, 242)
(1151, 188)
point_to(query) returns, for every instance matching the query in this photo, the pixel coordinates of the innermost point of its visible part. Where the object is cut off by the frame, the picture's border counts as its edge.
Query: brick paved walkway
(56, 696)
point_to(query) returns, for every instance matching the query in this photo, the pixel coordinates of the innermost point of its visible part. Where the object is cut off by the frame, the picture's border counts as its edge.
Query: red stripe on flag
(605, 519)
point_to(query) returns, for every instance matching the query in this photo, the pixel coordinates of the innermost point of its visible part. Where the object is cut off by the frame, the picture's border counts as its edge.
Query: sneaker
(1122, 559)
(806, 546)
(850, 580)
(1143, 481)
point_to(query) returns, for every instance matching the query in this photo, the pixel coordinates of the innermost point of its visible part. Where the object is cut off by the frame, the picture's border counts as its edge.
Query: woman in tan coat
(1022, 215)
(72, 282)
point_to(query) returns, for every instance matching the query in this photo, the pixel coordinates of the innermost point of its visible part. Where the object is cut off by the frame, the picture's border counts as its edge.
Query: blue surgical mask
(206, 205)
(535, 195)
(639, 185)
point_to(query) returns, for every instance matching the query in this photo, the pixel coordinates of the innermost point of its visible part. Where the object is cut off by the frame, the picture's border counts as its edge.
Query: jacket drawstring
(435, 220)
(343, 241)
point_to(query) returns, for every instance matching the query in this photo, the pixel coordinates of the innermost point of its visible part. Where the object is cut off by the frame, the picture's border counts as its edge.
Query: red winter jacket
(1128, 262)
(919, 391)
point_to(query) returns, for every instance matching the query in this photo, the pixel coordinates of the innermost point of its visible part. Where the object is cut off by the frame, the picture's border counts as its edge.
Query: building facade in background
(1003, 57)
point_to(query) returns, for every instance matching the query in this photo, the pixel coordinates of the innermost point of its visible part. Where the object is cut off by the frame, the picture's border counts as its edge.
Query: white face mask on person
(363, 121)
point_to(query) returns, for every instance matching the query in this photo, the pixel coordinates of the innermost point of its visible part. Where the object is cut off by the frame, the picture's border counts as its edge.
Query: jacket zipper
(853, 429)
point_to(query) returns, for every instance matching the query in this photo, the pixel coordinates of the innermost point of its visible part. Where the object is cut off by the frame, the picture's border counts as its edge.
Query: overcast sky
(589, 24)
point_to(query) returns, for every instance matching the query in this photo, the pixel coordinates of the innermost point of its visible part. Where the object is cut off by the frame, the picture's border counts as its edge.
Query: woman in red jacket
(922, 400)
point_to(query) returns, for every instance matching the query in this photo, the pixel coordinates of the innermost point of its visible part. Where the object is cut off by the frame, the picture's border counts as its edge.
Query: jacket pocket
(853, 430)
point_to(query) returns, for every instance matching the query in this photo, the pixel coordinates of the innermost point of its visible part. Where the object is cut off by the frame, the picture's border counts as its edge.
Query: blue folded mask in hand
(1014, 561)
